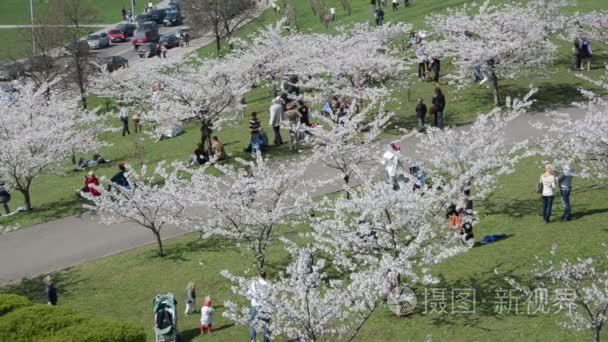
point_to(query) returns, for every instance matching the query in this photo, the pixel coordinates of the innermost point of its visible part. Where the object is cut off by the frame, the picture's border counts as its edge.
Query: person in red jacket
(91, 184)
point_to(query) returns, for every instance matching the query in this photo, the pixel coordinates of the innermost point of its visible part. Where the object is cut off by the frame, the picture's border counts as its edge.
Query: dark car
(148, 50)
(173, 18)
(143, 37)
(126, 28)
(169, 40)
(149, 26)
(114, 63)
(81, 47)
(142, 18)
(158, 15)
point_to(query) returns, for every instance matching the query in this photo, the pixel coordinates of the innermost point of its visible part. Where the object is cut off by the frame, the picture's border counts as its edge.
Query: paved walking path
(71, 241)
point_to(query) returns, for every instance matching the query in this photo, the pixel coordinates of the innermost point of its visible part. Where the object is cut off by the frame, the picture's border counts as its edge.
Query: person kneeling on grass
(461, 221)
(206, 316)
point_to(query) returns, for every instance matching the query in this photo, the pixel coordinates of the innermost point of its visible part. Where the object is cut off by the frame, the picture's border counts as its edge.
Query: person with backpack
(439, 103)
(546, 184)
(421, 111)
(586, 53)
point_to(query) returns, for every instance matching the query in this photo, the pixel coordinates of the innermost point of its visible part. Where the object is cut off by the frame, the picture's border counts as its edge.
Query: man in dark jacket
(435, 68)
(421, 111)
(50, 291)
(439, 104)
(120, 178)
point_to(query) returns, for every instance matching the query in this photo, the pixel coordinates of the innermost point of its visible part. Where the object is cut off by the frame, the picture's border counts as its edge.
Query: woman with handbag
(546, 185)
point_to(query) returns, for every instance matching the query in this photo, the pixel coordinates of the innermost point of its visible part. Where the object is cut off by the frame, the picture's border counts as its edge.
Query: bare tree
(68, 17)
(219, 18)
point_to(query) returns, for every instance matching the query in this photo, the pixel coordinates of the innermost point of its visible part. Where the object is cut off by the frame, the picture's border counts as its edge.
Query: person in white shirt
(276, 115)
(422, 61)
(391, 160)
(207, 316)
(547, 183)
(258, 292)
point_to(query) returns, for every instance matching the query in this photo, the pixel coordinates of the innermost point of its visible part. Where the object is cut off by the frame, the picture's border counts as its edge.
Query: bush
(33, 322)
(100, 330)
(11, 302)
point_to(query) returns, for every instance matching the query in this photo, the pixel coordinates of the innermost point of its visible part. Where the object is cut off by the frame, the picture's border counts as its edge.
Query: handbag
(539, 188)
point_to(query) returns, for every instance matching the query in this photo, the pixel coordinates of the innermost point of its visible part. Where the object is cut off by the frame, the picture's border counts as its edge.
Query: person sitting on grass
(91, 182)
(120, 179)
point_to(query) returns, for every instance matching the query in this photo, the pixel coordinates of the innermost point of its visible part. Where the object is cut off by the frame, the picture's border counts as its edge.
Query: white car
(98, 40)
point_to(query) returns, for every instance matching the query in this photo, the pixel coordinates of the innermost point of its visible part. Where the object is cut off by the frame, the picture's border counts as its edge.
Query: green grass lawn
(53, 196)
(122, 286)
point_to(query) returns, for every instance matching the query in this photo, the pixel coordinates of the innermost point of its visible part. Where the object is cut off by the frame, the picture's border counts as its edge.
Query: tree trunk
(347, 180)
(596, 334)
(260, 264)
(27, 200)
(218, 44)
(159, 241)
(494, 83)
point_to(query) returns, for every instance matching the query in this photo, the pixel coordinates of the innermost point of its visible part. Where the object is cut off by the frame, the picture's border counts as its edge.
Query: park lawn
(54, 195)
(17, 12)
(122, 286)
(16, 44)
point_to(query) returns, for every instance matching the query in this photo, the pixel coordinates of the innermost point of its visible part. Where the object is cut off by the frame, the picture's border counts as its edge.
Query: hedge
(11, 302)
(100, 330)
(24, 321)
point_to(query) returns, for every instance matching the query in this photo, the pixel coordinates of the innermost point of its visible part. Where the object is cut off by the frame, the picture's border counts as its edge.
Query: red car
(116, 35)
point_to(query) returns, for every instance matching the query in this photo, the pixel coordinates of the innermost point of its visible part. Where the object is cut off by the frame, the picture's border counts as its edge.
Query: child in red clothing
(206, 316)
(91, 183)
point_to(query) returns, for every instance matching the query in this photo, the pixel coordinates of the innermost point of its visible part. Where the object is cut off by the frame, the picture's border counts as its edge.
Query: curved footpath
(70, 241)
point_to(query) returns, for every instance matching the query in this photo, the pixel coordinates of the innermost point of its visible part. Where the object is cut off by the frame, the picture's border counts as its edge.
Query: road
(126, 49)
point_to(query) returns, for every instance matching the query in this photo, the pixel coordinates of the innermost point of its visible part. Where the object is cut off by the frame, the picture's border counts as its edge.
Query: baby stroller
(165, 318)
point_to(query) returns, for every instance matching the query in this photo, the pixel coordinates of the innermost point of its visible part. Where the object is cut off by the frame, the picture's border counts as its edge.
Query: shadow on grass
(178, 252)
(512, 207)
(47, 212)
(464, 302)
(34, 288)
(191, 334)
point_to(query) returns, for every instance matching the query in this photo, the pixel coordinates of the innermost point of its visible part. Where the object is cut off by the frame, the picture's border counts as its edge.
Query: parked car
(98, 41)
(140, 19)
(127, 28)
(149, 26)
(169, 40)
(147, 50)
(158, 15)
(81, 47)
(173, 18)
(113, 63)
(182, 31)
(117, 36)
(143, 37)
(11, 71)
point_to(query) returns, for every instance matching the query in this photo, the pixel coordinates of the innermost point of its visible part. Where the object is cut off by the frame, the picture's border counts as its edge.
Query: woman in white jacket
(391, 159)
(548, 183)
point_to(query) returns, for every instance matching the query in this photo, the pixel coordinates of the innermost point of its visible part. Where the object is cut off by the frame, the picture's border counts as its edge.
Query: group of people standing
(437, 110)
(549, 183)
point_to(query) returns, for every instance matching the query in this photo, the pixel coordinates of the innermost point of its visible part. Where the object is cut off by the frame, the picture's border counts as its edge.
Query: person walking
(190, 298)
(123, 13)
(435, 68)
(258, 292)
(586, 53)
(391, 160)
(137, 123)
(379, 15)
(163, 50)
(421, 111)
(276, 115)
(576, 50)
(124, 118)
(206, 316)
(439, 103)
(5, 197)
(546, 184)
(395, 5)
(565, 187)
(50, 291)
(186, 39)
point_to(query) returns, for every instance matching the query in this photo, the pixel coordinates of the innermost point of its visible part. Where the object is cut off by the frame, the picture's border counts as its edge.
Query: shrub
(100, 330)
(11, 302)
(35, 321)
